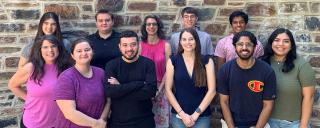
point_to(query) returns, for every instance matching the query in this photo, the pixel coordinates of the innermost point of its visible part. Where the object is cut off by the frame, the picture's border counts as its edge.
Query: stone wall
(19, 21)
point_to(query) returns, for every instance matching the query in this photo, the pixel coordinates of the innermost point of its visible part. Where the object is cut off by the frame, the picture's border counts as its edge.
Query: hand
(100, 124)
(195, 116)
(113, 81)
(186, 119)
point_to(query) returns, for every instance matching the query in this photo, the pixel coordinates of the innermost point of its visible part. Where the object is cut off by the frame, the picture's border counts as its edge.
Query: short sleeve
(258, 52)
(306, 75)
(269, 89)
(26, 50)
(210, 49)
(205, 59)
(219, 50)
(65, 89)
(222, 84)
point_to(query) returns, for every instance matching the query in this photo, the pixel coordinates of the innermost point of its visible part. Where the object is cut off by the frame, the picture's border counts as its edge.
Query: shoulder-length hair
(160, 32)
(292, 54)
(199, 67)
(46, 16)
(61, 62)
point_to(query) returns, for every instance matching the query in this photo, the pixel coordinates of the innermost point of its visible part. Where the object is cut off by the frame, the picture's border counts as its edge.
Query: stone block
(87, 17)
(303, 37)
(206, 14)
(32, 27)
(175, 27)
(6, 75)
(227, 11)
(84, 24)
(8, 122)
(214, 2)
(10, 111)
(22, 4)
(216, 29)
(142, 6)
(169, 17)
(315, 62)
(8, 27)
(118, 20)
(3, 17)
(315, 7)
(64, 25)
(5, 104)
(312, 23)
(9, 49)
(236, 3)
(293, 7)
(317, 39)
(261, 9)
(12, 62)
(25, 14)
(112, 5)
(7, 40)
(179, 2)
(134, 20)
(169, 9)
(194, 3)
(65, 11)
(87, 8)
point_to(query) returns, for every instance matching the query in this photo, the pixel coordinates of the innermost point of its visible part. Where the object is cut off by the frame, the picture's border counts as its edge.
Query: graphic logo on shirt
(255, 86)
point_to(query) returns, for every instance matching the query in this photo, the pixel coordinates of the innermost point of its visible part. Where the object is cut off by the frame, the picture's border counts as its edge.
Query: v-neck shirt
(187, 94)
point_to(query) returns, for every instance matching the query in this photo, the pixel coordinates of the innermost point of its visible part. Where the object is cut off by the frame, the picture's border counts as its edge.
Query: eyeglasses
(153, 24)
(249, 45)
(189, 16)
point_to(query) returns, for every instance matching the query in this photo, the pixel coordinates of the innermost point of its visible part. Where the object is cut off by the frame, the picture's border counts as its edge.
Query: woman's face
(281, 45)
(49, 52)
(49, 26)
(187, 41)
(151, 26)
(82, 53)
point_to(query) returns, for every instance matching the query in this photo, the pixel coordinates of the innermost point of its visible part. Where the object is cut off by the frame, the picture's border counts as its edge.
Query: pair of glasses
(153, 24)
(249, 45)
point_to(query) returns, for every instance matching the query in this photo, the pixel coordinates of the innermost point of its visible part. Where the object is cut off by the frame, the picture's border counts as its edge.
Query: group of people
(116, 81)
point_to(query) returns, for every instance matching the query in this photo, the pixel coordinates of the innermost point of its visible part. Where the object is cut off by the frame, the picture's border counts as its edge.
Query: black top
(187, 94)
(131, 100)
(104, 49)
(246, 88)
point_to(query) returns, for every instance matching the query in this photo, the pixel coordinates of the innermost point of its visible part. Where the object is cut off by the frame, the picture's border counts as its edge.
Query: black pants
(146, 123)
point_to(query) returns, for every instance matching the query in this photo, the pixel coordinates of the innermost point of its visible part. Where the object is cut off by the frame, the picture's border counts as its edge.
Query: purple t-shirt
(88, 93)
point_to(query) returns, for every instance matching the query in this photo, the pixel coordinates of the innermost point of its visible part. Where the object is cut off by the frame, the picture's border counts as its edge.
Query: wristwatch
(198, 110)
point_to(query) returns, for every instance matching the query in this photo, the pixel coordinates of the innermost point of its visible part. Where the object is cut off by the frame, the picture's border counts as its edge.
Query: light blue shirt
(205, 41)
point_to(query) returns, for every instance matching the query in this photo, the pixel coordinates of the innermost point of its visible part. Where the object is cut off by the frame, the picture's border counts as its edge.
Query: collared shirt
(225, 49)
(104, 50)
(205, 41)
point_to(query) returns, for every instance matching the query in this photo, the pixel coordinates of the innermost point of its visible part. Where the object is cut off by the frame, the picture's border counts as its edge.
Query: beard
(132, 57)
(245, 57)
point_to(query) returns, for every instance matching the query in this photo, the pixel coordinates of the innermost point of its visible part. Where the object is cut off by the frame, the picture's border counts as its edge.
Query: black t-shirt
(246, 88)
(104, 49)
(131, 100)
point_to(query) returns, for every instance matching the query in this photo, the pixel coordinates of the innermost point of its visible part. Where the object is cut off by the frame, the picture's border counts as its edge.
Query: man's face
(244, 48)
(189, 20)
(129, 48)
(238, 24)
(104, 22)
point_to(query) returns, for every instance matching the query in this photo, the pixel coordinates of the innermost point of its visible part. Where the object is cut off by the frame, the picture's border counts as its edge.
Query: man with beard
(247, 86)
(130, 83)
(224, 49)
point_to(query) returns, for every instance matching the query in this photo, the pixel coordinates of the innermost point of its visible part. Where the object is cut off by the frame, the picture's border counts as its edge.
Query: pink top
(225, 49)
(40, 109)
(156, 52)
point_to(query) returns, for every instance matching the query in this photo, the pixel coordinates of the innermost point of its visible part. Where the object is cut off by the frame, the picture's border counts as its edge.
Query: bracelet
(179, 111)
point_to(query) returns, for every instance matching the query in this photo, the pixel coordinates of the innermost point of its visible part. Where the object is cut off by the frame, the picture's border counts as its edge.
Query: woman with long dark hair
(295, 82)
(193, 78)
(48, 25)
(40, 75)
(155, 47)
